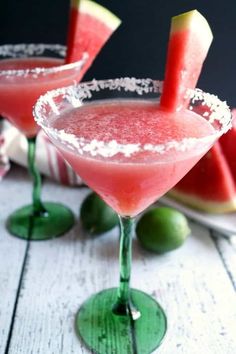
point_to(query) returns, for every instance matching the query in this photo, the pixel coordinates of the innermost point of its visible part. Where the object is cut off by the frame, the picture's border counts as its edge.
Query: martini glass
(26, 72)
(130, 151)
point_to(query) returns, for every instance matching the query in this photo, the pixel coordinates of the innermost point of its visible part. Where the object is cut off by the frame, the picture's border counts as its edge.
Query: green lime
(96, 216)
(162, 229)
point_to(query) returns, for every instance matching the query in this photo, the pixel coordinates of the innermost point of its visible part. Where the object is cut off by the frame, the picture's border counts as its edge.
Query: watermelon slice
(90, 26)
(228, 145)
(190, 39)
(209, 186)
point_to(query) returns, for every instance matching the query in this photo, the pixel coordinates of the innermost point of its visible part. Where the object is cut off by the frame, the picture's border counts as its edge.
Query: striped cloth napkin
(14, 147)
(4, 161)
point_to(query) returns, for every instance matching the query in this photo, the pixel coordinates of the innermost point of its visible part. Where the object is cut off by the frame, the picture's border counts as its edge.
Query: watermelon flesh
(90, 27)
(211, 185)
(189, 41)
(228, 145)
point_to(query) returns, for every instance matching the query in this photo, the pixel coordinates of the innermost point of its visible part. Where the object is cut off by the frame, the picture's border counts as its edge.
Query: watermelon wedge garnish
(90, 26)
(211, 184)
(189, 41)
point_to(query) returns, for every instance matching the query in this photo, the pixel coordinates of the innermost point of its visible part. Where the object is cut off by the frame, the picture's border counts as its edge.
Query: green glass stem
(36, 221)
(123, 305)
(136, 324)
(38, 208)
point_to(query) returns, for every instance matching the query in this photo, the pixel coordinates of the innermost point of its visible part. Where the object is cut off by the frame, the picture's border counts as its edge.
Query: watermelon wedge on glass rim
(90, 27)
(189, 41)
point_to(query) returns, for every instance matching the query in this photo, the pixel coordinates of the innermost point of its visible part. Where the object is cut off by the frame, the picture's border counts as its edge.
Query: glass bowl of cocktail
(130, 151)
(26, 72)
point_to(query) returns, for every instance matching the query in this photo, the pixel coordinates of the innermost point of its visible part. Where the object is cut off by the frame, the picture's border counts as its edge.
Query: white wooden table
(42, 284)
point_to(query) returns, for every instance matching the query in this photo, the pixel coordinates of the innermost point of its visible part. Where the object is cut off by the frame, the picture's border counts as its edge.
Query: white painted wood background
(195, 284)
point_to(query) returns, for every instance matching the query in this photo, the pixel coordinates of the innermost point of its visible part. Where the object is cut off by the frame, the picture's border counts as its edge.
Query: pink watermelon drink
(26, 72)
(23, 80)
(131, 151)
(129, 184)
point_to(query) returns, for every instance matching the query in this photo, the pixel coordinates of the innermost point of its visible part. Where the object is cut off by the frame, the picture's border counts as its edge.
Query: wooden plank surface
(202, 305)
(191, 283)
(14, 192)
(226, 247)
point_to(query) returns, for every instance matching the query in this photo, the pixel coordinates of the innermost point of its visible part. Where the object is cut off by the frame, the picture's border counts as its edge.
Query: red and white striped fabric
(55, 166)
(4, 161)
(49, 160)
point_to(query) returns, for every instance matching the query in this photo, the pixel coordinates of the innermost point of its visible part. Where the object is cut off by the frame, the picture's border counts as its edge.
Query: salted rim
(28, 50)
(75, 94)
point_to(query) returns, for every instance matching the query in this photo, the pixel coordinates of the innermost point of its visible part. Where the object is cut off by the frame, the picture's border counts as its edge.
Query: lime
(96, 216)
(162, 229)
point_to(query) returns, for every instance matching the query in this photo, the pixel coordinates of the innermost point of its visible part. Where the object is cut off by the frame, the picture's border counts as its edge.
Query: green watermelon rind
(201, 204)
(97, 11)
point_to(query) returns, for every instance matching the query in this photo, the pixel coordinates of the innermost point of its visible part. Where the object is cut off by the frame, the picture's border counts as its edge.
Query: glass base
(55, 222)
(105, 332)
